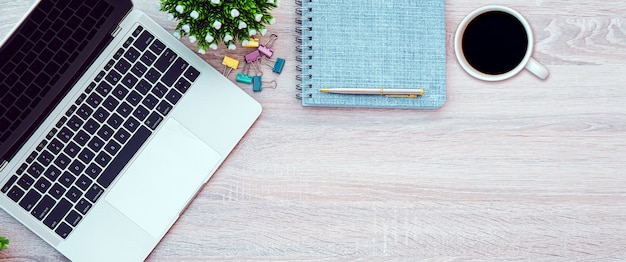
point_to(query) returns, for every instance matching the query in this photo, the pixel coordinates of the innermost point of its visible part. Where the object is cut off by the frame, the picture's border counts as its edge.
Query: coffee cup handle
(537, 69)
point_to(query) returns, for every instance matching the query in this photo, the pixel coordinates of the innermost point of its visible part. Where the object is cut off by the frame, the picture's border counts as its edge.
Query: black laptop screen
(44, 57)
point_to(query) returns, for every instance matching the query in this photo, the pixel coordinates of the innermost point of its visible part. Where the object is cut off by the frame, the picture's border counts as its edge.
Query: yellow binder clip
(252, 42)
(229, 64)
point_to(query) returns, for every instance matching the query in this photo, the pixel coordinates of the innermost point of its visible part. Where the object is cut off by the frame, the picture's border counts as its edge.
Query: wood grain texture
(516, 170)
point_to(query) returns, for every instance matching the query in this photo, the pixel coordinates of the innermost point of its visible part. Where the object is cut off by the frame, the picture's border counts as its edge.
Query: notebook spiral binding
(304, 46)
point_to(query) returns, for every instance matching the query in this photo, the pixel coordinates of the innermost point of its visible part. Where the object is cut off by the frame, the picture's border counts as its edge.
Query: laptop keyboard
(42, 52)
(82, 155)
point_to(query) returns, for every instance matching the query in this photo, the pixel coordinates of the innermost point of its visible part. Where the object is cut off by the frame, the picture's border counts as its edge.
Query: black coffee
(494, 42)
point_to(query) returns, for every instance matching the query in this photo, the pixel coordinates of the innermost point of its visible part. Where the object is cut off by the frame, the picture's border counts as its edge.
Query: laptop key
(63, 230)
(124, 109)
(137, 31)
(95, 144)
(84, 111)
(154, 120)
(81, 138)
(94, 193)
(165, 60)
(150, 101)
(30, 199)
(74, 123)
(192, 73)
(93, 170)
(104, 88)
(52, 173)
(101, 115)
(86, 155)
(35, 170)
(120, 92)
(117, 55)
(133, 98)
(157, 47)
(83, 182)
(83, 206)
(67, 179)
(122, 135)
(26, 182)
(62, 161)
(73, 194)
(42, 185)
(43, 208)
(153, 75)
(76, 167)
(140, 113)
(103, 159)
(113, 77)
(164, 107)
(110, 103)
(55, 146)
(173, 96)
(65, 134)
(57, 191)
(124, 156)
(143, 40)
(73, 218)
(132, 54)
(139, 69)
(71, 150)
(112, 147)
(94, 100)
(8, 184)
(148, 58)
(129, 81)
(175, 71)
(144, 86)
(122, 65)
(159, 90)
(45, 158)
(15, 193)
(58, 213)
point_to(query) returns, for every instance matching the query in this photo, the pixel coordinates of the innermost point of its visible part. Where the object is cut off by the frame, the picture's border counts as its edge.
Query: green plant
(3, 242)
(211, 22)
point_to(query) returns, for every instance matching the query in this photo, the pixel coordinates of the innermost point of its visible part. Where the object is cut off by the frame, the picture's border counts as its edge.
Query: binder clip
(253, 58)
(244, 76)
(265, 49)
(252, 42)
(258, 84)
(279, 63)
(229, 64)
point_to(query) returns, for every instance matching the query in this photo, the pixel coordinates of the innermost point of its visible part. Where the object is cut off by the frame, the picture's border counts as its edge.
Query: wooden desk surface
(519, 169)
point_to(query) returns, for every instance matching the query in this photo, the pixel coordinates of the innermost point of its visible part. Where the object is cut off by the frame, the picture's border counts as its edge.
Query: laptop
(109, 126)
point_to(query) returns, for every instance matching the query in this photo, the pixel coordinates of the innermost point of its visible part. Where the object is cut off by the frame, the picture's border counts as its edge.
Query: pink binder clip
(252, 57)
(265, 48)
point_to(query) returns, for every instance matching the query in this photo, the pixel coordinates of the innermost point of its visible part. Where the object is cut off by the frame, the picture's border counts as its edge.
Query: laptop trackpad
(167, 173)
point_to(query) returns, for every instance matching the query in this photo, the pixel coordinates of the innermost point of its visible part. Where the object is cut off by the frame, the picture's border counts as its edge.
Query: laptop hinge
(3, 165)
(116, 31)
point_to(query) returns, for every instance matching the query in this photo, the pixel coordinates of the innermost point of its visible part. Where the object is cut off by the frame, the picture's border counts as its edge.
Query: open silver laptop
(108, 127)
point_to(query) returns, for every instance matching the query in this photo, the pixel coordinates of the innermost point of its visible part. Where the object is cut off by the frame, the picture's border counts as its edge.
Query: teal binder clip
(258, 84)
(244, 76)
(279, 63)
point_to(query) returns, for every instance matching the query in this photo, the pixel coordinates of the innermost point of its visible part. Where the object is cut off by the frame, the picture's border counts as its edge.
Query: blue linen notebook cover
(372, 44)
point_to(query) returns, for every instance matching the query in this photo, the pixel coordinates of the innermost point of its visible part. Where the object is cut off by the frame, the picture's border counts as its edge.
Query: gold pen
(390, 92)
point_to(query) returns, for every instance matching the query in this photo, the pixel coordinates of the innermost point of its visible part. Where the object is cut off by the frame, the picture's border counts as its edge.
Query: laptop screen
(45, 56)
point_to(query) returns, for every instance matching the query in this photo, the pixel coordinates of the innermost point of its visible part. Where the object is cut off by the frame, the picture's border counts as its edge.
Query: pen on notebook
(400, 92)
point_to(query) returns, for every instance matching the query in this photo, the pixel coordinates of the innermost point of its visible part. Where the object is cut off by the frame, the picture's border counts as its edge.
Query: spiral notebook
(372, 44)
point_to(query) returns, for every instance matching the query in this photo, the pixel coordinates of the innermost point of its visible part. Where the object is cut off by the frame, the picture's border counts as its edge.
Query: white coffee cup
(480, 67)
